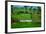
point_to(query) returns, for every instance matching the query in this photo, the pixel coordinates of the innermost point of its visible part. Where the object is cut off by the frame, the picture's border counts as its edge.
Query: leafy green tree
(39, 10)
(30, 9)
(25, 9)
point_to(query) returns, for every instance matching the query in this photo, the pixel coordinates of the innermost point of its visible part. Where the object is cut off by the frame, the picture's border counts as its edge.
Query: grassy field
(26, 24)
(24, 14)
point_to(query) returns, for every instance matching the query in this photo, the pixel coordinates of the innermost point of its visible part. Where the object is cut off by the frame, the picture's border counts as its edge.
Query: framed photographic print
(25, 16)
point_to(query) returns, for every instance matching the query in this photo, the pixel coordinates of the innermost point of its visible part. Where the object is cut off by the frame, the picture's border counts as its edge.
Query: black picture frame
(6, 30)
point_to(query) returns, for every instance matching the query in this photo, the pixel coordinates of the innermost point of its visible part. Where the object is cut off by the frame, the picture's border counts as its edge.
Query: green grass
(23, 16)
(25, 25)
(34, 23)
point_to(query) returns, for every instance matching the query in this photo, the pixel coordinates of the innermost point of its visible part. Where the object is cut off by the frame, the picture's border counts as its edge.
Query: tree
(30, 9)
(11, 8)
(34, 10)
(39, 10)
(25, 10)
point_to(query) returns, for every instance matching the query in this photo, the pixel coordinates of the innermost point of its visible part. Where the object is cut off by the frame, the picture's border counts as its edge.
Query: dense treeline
(25, 9)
